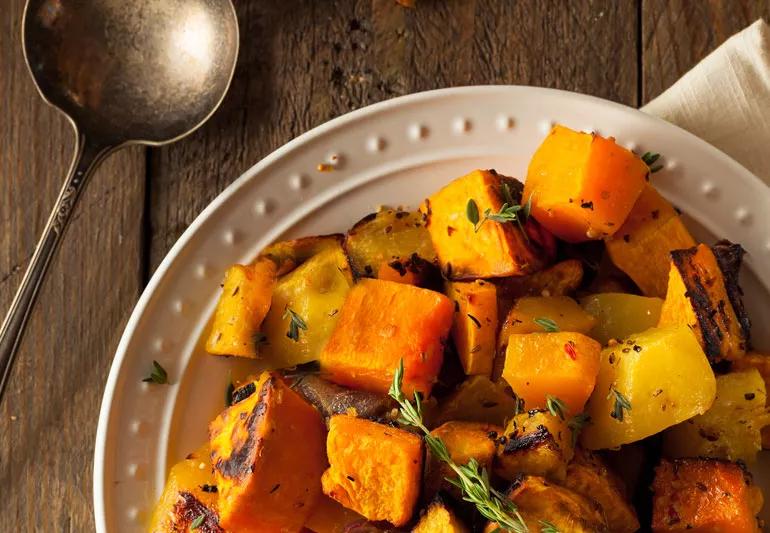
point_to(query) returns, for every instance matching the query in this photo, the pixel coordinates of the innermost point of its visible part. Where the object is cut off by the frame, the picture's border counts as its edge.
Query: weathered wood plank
(304, 62)
(676, 34)
(48, 416)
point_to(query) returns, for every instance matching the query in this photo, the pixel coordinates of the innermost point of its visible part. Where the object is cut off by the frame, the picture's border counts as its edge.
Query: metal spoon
(138, 72)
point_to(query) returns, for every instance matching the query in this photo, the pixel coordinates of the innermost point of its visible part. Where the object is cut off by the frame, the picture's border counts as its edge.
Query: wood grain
(676, 34)
(48, 416)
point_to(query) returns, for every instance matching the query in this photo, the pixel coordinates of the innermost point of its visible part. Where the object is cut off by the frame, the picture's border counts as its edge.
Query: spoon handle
(87, 158)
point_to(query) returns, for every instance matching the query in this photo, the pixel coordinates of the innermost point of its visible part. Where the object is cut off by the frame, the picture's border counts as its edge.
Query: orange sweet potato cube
(491, 250)
(242, 306)
(374, 469)
(475, 324)
(582, 185)
(562, 364)
(381, 323)
(267, 451)
(704, 495)
(642, 245)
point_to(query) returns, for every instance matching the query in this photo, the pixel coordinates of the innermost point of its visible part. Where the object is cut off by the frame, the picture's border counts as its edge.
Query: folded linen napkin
(725, 99)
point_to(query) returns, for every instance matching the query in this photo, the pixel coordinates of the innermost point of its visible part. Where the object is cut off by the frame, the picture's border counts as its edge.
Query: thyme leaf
(555, 406)
(158, 376)
(295, 324)
(547, 324)
(621, 404)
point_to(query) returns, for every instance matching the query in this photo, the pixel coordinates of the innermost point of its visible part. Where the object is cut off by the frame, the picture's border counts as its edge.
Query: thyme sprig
(547, 324)
(198, 522)
(555, 406)
(548, 527)
(650, 159)
(621, 404)
(295, 324)
(510, 211)
(472, 479)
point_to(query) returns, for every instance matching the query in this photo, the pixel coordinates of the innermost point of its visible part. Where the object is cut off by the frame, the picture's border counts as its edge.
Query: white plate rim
(479, 91)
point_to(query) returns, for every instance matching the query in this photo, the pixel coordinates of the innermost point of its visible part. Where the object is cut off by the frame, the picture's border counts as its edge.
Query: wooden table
(302, 63)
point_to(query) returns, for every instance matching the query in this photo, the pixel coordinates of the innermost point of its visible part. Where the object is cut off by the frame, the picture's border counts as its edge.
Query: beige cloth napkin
(725, 99)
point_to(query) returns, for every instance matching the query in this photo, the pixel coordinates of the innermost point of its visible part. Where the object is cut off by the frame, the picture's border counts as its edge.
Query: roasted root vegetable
(547, 507)
(477, 399)
(731, 429)
(647, 383)
(761, 362)
(561, 363)
(439, 518)
(474, 327)
(373, 469)
(619, 315)
(560, 279)
(464, 441)
(332, 399)
(589, 476)
(389, 238)
(533, 314)
(481, 250)
(305, 309)
(330, 516)
(704, 495)
(242, 306)
(288, 255)
(268, 456)
(642, 245)
(697, 297)
(535, 442)
(381, 323)
(582, 185)
(190, 492)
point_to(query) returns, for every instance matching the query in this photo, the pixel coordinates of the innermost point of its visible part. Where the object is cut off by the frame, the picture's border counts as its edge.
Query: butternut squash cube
(536, 443)
(541, 502)
(704, 495)
(474, 327)
(439, 518)
(314, 292)
(373, 469)
(190, 492)
(563, 311)
(496, 249)
(477, 399)
(268, 457)
(761, 362)
(647, 383)
(464, 441)
(381, 323)
(697, 297)
(731, 429)
(243, 304)
(619, 315)
(589, 476)
(582, 185)
(562, 364)
(642, 245)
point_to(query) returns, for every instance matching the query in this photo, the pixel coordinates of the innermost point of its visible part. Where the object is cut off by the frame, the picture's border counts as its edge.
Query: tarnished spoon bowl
(144, 71)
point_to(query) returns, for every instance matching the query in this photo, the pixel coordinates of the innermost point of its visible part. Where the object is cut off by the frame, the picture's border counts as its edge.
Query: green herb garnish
(547, 527)
(159, 376)
(621, 404)
(472, 213)
(198, 522)
(576, 425)
(295, 324)
(547, 324)
(650, 159)
(472, 479)
(555, 406)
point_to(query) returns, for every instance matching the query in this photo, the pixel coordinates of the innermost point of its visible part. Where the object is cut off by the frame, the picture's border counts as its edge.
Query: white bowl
(392, 153)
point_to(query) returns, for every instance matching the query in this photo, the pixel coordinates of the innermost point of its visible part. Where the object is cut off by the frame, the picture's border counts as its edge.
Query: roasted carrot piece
(535, 442)
(697, 297)
(642, 245)
(464, 441)
(381, 323)
(562, 364)
(491, 250)
(582, 185)
(190, 492)
(475, 324)
(268, 456)
(373, 469)
(242, 306)
(704, 495)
